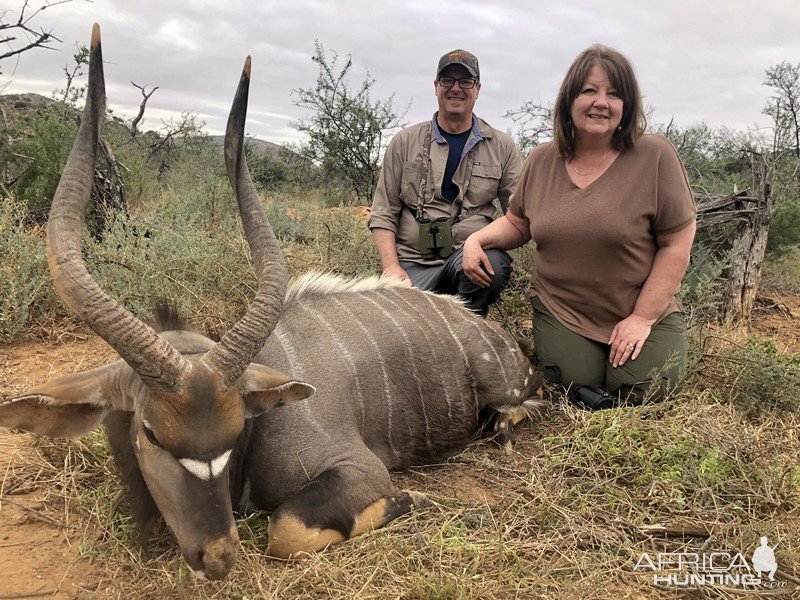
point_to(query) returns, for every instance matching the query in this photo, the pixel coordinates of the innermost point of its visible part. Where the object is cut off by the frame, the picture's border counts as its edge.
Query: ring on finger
(631, 346)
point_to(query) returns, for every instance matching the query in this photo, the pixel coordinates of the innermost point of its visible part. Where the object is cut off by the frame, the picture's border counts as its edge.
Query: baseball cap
(460, 57)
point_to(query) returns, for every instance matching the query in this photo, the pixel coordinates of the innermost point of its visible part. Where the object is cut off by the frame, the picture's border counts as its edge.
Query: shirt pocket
(409, 183)
(483, 185)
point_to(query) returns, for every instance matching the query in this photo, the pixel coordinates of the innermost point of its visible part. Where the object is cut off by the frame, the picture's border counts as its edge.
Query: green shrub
(27, 297)
(784, 229)
(198, 189)
(39, 157)
(207, 271)
(702, 291)
(782, 274)
(753, 376)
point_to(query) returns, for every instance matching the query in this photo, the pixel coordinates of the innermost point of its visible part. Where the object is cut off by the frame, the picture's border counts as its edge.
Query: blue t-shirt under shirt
(455, 147)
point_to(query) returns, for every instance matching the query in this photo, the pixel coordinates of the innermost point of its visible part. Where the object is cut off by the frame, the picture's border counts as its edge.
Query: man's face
(456, 102)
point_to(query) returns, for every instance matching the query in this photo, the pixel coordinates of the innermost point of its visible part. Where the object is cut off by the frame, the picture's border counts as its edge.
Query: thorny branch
(35, 38)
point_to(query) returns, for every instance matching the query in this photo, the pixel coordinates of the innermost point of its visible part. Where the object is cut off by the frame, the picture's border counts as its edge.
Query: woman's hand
(627, 339)
(475, 263)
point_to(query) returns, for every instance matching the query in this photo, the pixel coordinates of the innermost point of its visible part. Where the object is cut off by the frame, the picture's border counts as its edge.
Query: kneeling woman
(613, 219)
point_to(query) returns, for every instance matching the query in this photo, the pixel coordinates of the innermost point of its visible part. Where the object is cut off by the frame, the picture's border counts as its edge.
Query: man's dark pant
(449, 278)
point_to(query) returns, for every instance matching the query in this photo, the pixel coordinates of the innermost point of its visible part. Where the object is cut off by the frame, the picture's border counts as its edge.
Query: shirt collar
(437, 133)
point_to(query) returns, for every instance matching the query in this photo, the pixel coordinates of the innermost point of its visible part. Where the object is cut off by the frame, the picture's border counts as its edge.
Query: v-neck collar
(573, 185)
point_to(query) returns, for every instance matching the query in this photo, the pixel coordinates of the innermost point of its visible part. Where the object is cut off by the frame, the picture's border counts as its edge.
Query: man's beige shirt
(495, 169)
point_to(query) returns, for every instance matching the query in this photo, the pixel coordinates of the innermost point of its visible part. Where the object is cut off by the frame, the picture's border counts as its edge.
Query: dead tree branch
(21, 29)
(145, 98)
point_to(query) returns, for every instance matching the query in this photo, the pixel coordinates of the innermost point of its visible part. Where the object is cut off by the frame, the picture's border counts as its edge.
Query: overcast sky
(696, 60)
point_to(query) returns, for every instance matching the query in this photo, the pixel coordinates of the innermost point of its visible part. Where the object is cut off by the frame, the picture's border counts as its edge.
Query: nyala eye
(148, 433)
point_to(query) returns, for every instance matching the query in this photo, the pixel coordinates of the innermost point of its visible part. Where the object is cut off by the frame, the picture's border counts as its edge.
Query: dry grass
(566, 517)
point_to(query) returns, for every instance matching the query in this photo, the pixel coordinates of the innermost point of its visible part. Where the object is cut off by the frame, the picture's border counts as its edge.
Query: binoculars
(435, 237)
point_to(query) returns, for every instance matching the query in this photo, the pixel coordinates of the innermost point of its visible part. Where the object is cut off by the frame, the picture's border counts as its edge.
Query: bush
(784, 230)
(198, 189)
(206, 271)
(343, 243)
(27, 297)
(39, 157)
(782, 274)
(753, 376)
(702, 291)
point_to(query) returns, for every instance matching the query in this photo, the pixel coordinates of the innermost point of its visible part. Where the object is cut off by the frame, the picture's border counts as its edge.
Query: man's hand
(476, 264)
(397, 272)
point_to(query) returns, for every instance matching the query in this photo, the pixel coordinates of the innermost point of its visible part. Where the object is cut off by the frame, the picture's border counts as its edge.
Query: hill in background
(20, 108)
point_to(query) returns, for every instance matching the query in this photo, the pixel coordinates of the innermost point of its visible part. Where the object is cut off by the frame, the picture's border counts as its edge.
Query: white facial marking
(485, 356)
(530, 371)
(198, 468)
(219, 463)
(206, 470)
(517, 393)
(526, 381)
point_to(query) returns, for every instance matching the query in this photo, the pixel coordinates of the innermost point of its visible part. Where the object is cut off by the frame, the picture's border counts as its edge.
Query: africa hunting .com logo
(716, 569)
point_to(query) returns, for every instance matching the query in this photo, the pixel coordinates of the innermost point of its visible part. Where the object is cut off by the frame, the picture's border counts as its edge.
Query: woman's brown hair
(620, 73)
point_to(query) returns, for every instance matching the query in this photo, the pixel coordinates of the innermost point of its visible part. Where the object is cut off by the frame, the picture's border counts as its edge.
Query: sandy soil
(39, 551)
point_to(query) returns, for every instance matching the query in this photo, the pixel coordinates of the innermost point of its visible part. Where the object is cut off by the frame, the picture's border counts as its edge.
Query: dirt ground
(40, 555)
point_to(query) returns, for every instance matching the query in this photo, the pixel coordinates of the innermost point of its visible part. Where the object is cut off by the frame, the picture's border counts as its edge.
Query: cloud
(696, 61)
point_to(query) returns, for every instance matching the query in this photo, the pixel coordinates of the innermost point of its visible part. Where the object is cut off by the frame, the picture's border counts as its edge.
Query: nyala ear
(68, 406)
(263, 388)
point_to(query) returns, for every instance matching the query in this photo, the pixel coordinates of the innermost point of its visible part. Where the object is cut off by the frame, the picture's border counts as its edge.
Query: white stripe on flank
(479, 326)
(344, 352)
(308, 413)
(420, 322)
(407, 343)
(295, 368)
(461, 350)
(385, 375)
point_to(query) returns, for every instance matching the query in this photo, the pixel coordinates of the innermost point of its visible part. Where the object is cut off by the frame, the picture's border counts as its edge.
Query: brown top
(491, 176)
(595, 246)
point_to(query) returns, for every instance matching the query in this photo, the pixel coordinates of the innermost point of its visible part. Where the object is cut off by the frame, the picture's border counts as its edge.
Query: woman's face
(597, 110)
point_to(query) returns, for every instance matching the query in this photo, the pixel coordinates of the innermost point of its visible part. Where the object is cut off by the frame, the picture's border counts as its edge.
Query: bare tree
(750, 247)
(534, 122)
(784, 105)
(176, 136)
(19, 35)
(145, 98)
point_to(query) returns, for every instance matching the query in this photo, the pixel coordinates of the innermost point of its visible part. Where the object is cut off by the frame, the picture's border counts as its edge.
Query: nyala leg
(341, 503)
(509, 416)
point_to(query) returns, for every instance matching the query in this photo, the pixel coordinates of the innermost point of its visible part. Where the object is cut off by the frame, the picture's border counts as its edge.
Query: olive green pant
(567, 358)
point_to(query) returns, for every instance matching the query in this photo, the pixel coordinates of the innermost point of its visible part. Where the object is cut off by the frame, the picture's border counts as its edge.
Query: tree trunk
(747, 257)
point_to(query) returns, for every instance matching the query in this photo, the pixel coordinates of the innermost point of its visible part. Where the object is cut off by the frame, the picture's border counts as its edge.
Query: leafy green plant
(754, 376)
(27, 298)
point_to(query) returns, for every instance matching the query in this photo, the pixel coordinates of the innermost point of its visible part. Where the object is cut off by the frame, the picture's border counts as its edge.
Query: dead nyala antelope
(399, 377)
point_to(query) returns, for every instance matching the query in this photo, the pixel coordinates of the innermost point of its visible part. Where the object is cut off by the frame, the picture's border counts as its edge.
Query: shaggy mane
(316, 283)
(166, 316)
